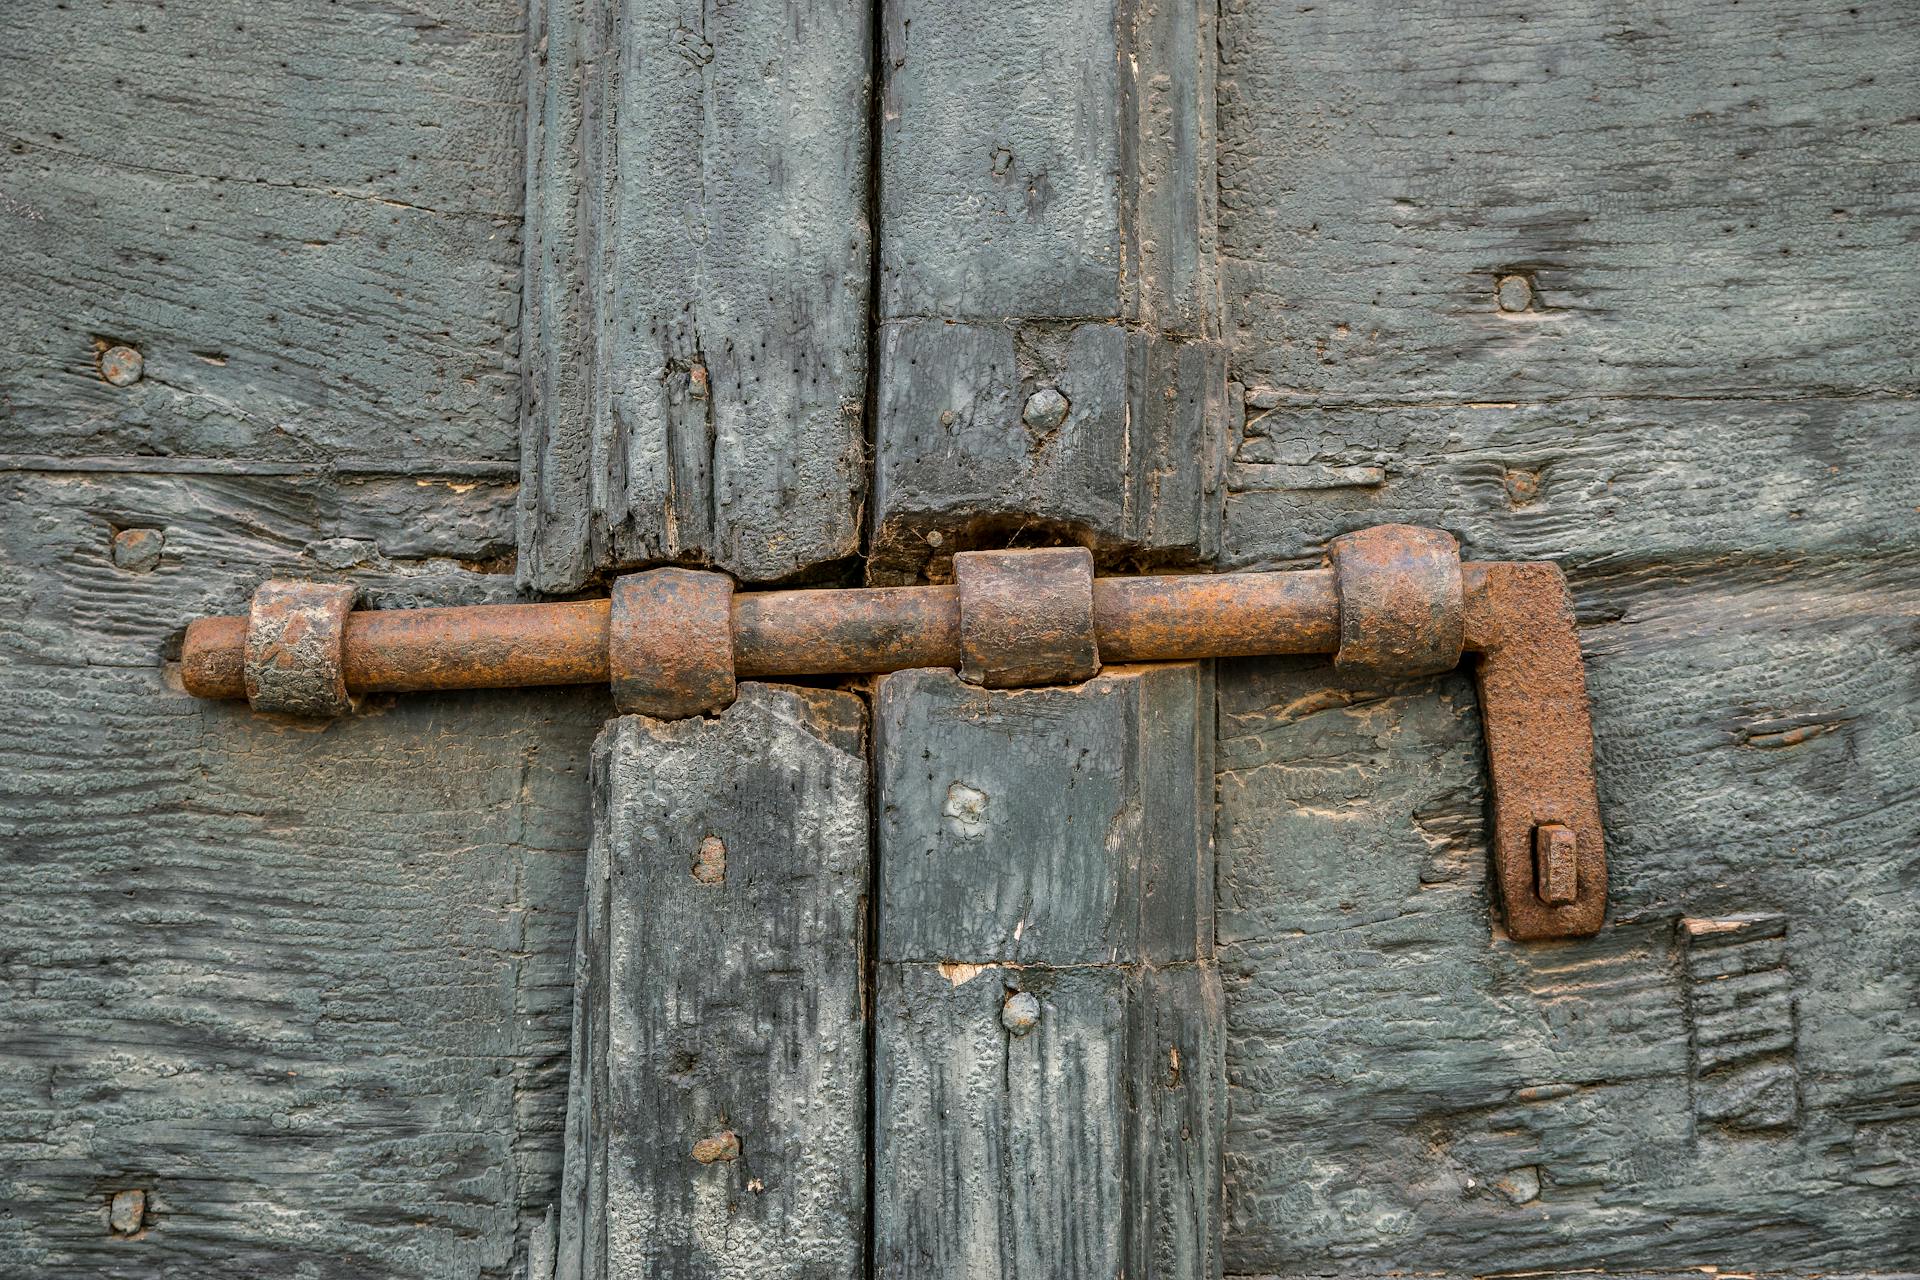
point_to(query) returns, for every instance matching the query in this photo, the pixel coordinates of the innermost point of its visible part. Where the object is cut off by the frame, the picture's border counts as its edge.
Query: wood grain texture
(1088, 1147)
(718, 1112)
(1405, 1097)
(1708, 212)
(1052, 844)
(996, 202)
(1587, 482)
(306, 219)
(305, 986)
(1057, 826)
(1710, 200)
(1690, 398)
(697, 271)
(1131, 469)
(1077, 250)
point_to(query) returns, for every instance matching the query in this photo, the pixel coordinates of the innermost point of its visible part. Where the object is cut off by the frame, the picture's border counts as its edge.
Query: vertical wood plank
(697, 268)
(1049, 353)
(719, 1120)
(1049, 1089)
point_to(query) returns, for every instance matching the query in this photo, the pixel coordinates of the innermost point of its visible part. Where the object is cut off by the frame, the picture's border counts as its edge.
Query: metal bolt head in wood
(1021, 1013)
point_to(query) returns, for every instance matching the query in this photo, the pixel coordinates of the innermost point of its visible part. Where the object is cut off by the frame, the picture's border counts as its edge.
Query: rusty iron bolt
(1515, 293)
(1415, 604)
(1021, 1013)
(138, 550)
(122, 366)
(1046, 409)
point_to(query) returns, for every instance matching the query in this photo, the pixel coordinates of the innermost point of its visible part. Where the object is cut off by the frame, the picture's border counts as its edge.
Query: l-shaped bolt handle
(1394, 601)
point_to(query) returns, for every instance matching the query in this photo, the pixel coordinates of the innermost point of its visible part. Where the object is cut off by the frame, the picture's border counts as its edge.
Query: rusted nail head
(719, 1149)
(1046, 409)
(122, 366)
(127, 1212)
(710, 861)
(1021, 1013)
(138, 550)
(1514, 293)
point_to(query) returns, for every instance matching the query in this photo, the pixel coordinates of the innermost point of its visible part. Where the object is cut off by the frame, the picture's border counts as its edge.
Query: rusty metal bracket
(293, 651)
(1026, 617)
(1549, 853)
(670, 643)
(1394, 601)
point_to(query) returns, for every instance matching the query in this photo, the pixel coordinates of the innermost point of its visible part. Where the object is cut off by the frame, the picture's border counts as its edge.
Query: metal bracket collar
(1394, 601)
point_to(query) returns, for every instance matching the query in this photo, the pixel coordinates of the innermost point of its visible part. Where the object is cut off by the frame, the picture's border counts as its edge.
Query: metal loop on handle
(1402, 604)
(296, 636)
(670, 643)
(1026, 617)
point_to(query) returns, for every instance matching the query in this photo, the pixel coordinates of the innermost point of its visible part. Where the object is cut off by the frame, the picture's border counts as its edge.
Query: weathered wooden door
(1185, 970)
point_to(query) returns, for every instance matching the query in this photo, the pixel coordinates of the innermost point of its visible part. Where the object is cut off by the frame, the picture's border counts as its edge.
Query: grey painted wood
(1725, 1072)
(1131, 468)
(307, 988)
(305, 219)
(1588, 481)
(697, 270)
(997, 202)
(718, 1111)
(1050, 845)
(1061, 826)
(1697, 407)
(1077, 248)
(1711, 201)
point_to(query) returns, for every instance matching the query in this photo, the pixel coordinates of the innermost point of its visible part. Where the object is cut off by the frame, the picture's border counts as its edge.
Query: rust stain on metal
(1402, 606)
(866, 629)
(670, 642)
(1224, 615)
(292, 656)
(418, 650)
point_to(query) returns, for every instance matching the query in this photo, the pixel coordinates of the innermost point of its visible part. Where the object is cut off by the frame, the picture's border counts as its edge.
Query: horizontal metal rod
(790, 633)
(1390, 602)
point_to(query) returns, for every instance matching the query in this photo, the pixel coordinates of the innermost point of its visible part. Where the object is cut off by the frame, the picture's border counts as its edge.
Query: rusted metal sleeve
(863, 629)
(1026, 617)
(1226, 615)
(1401, 600)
